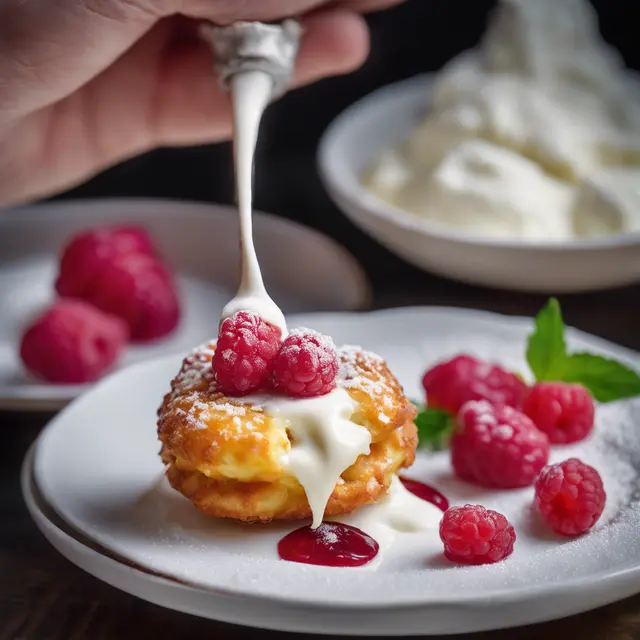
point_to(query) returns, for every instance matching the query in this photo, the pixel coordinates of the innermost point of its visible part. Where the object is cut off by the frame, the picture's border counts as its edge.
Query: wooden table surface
(44, 597)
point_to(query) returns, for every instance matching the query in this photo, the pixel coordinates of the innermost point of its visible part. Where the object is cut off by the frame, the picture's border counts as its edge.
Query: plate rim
(44, 397)
(57, 530)
(576, 585)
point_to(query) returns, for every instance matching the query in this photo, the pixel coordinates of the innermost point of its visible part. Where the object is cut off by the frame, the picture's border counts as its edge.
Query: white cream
(542, 84)
(493, 190)
(325, 441)
(251, 92)
(549, 41)
(389, 175)
(608, 203)
(398, 511)
(555, 47)
(516, 114)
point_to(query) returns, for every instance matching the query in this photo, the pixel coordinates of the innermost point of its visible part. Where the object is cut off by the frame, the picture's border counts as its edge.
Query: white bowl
(387, 117)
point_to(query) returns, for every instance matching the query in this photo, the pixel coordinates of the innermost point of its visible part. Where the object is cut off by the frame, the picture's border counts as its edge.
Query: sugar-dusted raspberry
(86, 252)
(72, 343)
(307, 364)
(570, 497)
(475, 535)
(245, 353)
(450, 384)
(497, 446)
(565, 412)
(141, 291)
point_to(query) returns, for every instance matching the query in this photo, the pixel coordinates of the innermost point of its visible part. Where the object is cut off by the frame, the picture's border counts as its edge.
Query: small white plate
(201, 243)
(97, 466)
(386, 118)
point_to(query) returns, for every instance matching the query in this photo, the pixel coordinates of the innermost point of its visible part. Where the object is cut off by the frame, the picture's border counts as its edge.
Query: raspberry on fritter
(497, 446)
(565, 412)
(72, 343)
(570, 497)
(307, 365)
(245, 353)
(87, 251)
(475, 535)
(141, 291)
(450, 384)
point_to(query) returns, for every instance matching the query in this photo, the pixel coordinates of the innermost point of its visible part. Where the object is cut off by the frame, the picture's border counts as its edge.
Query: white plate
(152, 588)
(199, 240)
(96, 464)
(387, 117)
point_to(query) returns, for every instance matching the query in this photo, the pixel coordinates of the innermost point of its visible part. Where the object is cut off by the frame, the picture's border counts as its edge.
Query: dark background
(418, 36)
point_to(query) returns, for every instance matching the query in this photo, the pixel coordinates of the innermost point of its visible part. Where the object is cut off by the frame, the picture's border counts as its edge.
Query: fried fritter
(230, 458)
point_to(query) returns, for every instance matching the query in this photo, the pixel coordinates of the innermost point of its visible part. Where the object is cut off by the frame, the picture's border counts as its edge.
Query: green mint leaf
(434, 428)
(546, 347)
(607, 380)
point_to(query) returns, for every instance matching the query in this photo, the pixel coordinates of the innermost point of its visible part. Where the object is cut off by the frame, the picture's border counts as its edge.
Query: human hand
(85, 84)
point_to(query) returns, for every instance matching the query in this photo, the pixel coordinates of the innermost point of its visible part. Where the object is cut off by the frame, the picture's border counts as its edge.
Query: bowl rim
(346, 185)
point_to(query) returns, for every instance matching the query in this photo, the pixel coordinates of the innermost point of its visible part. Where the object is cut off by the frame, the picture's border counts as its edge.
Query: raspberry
(72, 343)
(570, 497)
(565, 412)
(140, 290)
(245, 353)
(497, 446)
(475, 535)
(450, 384)
(307, 365)
(87, 251)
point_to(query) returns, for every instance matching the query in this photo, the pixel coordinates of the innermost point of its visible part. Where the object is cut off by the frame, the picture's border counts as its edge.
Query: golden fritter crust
(228, 456)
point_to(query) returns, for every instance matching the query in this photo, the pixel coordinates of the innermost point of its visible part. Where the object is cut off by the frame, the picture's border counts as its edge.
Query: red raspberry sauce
(332, 544)
(425, 492)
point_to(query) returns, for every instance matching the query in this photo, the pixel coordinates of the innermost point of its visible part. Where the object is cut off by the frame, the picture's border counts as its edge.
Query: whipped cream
(544, 86)
(492, 189)
(517, 114)
(607, 203)
(550, 40)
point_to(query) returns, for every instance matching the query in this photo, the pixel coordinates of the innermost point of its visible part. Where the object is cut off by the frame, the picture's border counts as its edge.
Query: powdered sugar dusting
(196, 370)
(196, 383)
(614, 451)
(196, 377)
(304, 334)
(327, 533)
(353, 360)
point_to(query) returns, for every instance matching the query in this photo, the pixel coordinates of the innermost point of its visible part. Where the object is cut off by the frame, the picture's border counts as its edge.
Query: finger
(334, 43)
(188, 106)
(50, 49)
(226, 12)
(163, 92)
(366, 6)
